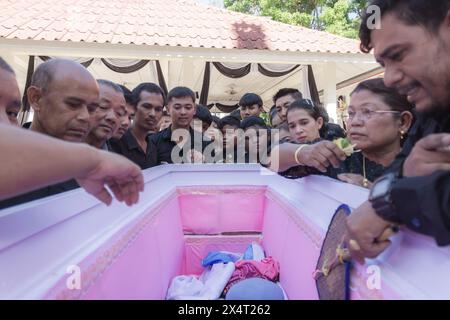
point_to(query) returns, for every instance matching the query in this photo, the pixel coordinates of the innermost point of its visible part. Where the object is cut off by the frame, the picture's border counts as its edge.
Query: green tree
(341, 17)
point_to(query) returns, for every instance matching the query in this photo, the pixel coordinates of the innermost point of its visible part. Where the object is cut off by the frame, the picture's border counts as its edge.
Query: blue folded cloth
(219, 257)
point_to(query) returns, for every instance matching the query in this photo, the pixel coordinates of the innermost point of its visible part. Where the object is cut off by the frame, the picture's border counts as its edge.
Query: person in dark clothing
(373, 106)
(179, 143)
(283, 99)
(64, 96)
(250, 105)
(331, 131)
(202, 118)
(257, 140)
(413, 47)
(126, 119)
(149, 100)
(108, 115)
(228, 126)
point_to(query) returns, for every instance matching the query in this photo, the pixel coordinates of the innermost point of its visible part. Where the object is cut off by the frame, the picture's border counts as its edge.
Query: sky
(217, 3)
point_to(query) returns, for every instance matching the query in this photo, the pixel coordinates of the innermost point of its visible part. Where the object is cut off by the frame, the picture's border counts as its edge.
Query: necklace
(365, 181)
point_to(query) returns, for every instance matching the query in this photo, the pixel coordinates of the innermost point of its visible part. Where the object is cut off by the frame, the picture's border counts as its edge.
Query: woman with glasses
(378, 121)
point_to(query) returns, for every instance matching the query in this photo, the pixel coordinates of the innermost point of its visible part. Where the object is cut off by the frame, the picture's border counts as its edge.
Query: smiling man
(413, 45)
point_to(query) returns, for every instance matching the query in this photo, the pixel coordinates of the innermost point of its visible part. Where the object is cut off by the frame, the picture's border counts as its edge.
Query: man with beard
(412, 44)
(149, 100)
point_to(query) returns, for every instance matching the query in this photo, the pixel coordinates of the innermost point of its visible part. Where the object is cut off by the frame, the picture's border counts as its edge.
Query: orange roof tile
(159, 22)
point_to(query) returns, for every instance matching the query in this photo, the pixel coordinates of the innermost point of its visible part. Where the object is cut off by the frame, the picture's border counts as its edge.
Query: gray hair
(112, 85)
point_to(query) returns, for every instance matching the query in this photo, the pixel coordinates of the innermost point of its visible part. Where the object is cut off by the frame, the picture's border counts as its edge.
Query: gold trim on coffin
(218, 190)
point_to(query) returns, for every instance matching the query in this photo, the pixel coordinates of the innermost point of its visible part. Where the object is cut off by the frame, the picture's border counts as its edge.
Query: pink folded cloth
(267, 268)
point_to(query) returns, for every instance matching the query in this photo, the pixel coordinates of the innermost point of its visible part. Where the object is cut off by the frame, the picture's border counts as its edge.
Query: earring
(402, 134)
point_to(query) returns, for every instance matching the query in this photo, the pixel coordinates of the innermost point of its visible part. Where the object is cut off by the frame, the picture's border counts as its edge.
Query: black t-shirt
(130, 148)
(161, 146)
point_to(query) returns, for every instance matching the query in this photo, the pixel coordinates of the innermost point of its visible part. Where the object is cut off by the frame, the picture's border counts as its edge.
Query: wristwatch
(381, 198)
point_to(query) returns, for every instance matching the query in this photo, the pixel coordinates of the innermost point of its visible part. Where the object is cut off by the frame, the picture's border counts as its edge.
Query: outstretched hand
(123, 178)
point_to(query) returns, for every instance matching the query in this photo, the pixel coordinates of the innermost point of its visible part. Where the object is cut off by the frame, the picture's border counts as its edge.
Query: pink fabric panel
(297, 265)
(135, 275)
(210, 210)
(296, 253)
(198, 247)
(146, 267)
(200, 213)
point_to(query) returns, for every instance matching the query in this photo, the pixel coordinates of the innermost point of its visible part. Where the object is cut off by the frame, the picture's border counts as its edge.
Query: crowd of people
(96, 133)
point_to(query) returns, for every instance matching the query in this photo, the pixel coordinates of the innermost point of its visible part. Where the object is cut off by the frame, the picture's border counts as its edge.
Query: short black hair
(148, 87)
(230, 121)
(295, 93)
(181, 92)
(249, 99)
(203, 114)
(5, 66)
(426, 13)
(110, 84)
(236, 114)
(126, 94)
(253, 121)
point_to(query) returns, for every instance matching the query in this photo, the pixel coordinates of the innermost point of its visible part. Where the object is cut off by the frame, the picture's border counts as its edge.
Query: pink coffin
(70, 246)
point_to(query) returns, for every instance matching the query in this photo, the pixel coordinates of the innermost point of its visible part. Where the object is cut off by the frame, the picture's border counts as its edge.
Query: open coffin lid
(70, 246)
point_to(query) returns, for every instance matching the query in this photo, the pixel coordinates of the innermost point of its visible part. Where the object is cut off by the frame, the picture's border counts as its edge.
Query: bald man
(64, 97)
(30, 160)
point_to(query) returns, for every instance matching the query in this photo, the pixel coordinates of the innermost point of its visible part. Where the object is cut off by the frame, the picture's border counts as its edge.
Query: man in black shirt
(64, 96)
(149, 100)
(179, 143)
(412, 44)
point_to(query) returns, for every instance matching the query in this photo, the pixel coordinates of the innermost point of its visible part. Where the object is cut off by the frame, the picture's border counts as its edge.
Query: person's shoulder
(160, 136)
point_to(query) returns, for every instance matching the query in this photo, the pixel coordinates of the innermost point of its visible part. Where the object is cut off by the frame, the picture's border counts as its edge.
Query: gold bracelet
(296, 154)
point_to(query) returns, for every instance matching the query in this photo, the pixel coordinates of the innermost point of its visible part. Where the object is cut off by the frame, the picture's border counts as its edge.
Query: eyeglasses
(367, 114)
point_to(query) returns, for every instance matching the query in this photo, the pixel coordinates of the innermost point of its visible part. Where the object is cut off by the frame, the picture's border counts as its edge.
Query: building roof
(183, 23)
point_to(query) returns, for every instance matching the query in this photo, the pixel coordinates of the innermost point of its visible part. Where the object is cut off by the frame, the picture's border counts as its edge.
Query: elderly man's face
(125, 121)
(111, 109)
(416, 62)
(9, 98)
(65, 110)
